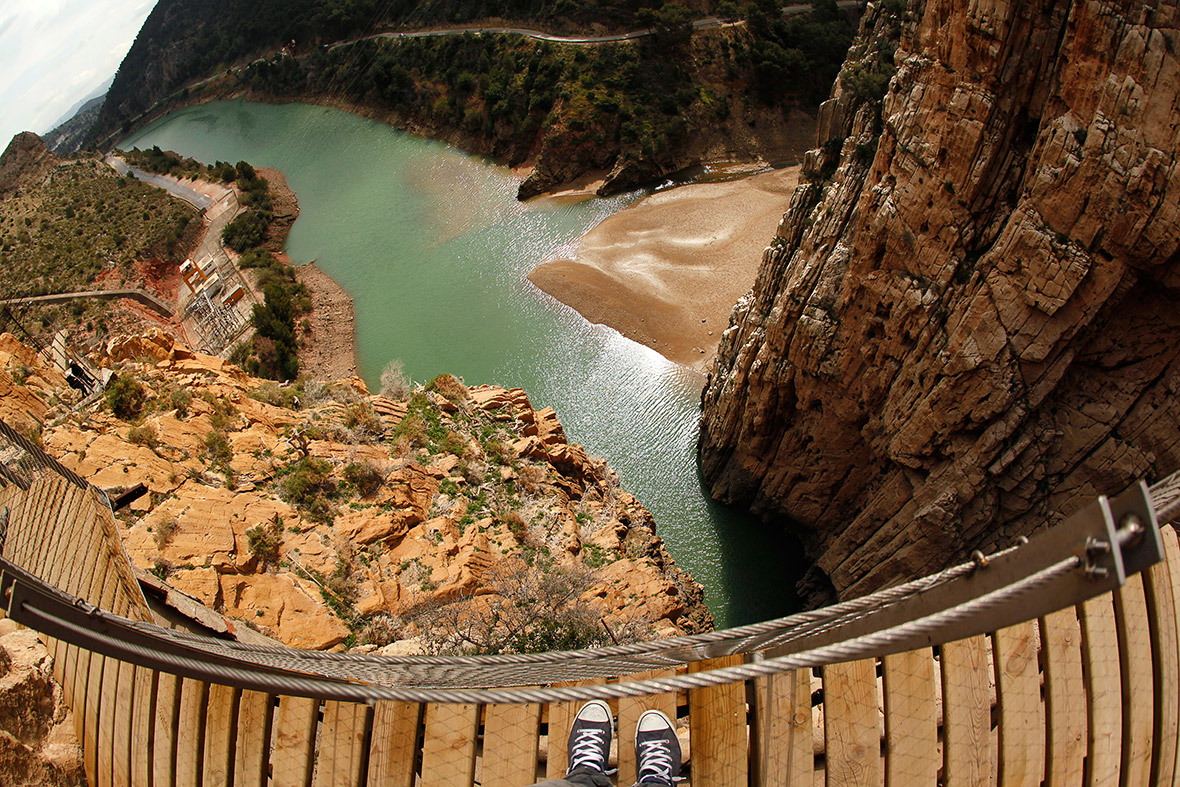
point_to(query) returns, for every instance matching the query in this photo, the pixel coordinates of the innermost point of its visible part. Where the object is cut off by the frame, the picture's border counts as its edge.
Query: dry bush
(519, 609)
(395, 384)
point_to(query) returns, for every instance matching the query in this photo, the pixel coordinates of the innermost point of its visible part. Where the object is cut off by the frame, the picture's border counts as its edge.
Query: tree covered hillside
(641, 107)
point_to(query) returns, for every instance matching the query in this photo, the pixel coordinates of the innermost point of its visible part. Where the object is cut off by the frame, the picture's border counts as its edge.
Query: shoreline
(667, 271)
(327, 348)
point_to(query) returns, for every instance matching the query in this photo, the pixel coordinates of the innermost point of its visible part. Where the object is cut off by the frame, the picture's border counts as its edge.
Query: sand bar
(667, 271)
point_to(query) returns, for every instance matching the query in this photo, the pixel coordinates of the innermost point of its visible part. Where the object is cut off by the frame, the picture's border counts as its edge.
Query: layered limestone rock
(967, 327)
(310, 511)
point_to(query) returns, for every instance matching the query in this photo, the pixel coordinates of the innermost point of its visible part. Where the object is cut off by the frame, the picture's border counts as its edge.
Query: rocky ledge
(326, 516)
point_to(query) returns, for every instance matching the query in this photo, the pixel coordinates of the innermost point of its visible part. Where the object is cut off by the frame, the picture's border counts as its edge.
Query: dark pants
(579, 779)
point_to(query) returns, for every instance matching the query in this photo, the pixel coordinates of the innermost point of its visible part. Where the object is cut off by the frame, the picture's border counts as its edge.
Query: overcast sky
(54, 53)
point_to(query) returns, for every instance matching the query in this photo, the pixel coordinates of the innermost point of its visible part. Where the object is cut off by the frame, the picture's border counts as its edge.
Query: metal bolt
(1096, 546)
(1097, 572)
(1132, 527)
(979, 558)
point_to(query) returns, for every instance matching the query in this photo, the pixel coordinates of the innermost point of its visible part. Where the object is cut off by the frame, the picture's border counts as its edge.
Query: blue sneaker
(657, 749)
(589, 743)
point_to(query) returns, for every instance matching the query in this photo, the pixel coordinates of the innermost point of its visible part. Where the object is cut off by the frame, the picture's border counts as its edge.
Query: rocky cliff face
(966, 327)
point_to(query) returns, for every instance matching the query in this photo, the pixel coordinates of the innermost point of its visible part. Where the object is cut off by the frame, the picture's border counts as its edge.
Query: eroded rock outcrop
(37, 741)
(967, 327)
(322, 515)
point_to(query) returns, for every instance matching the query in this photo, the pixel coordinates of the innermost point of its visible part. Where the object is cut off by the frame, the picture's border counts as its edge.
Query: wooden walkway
(1088, 695)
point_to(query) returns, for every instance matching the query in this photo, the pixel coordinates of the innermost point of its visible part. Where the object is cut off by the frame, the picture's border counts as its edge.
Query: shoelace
(588, 749)
(656, 760)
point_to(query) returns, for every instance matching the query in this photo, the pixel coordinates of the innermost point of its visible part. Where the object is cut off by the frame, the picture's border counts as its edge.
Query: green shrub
(125, 397)
(179, 400)
(364, 477)
(143, 435)
(264, 541)
(448, 387)
(309, 486)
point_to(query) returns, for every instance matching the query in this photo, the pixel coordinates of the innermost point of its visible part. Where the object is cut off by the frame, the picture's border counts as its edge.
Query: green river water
(435, 249)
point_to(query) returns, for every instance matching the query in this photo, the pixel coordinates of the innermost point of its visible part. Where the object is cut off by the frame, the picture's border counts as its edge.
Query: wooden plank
(221, 717)
(295, 733)
(1065, 699)
(1131, 622)
(190, 734)
(911, 719)
(394, 748)
(1021, 718)
(92, 682)
(108, 688)
(341, 760)
(852, 724)
(18, 532)
(510, 745)
(1104, 694)
(22, 524)
(783, 713)
(142, 729)
(124, 718)
(561, 718)
(630, 709)
(448, 748)
(252, 750)
(1135, 662)
(165, 729)
(1162, 606)
(717, 729)
(58, 547)
(41, 526)
(966, 694)
(87, 689)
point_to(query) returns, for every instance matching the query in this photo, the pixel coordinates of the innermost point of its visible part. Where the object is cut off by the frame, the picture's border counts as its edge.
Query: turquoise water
(435, 249)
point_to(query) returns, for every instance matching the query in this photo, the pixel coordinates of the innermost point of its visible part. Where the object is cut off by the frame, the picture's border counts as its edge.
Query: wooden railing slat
(911, 719)
(852, 724)
(966, 696)
(1172, 556)
(190, 732)
(100, 691)
(166, 729)
(221, 710)
(630, 709)
(142, 729)
(1065, 699)
(717, 729)
(124, 719)
(448, 748)
(1132, 623)
(510, 745)
(340, 756)
(1018, 694)
(395, 744)
(786, 751)
(295, 733)
(252, 749)
(1104, 694)
(1166, 658)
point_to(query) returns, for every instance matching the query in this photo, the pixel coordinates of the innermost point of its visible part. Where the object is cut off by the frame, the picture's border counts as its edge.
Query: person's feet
(657, 749)
(589, 742)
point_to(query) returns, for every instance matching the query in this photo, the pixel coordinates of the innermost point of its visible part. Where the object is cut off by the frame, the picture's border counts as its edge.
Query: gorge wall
(967, 324)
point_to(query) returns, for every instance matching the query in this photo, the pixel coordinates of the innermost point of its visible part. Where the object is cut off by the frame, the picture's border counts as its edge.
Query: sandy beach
(667, 271)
